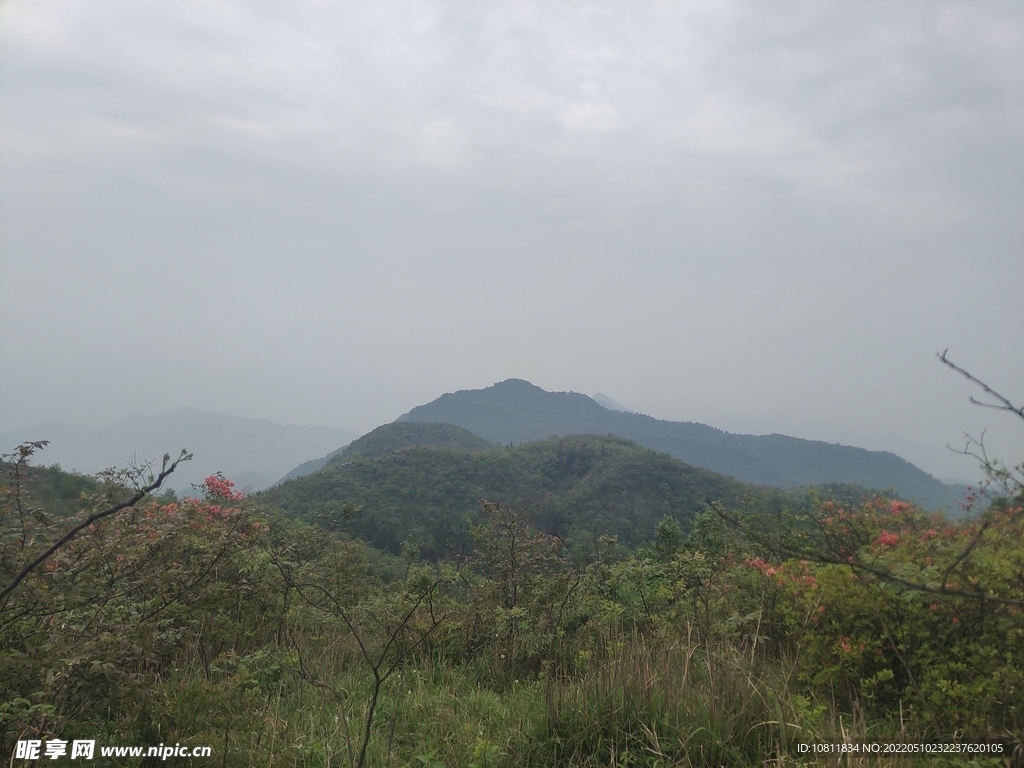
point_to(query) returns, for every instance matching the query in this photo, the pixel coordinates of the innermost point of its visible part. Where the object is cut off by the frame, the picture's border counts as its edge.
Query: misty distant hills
(517, 411)
(308, 467)
(610, 404)
(251, 452)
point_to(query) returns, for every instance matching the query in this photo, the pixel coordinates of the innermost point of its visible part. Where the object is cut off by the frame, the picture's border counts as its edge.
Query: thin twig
(139, 496)
(1006, 405)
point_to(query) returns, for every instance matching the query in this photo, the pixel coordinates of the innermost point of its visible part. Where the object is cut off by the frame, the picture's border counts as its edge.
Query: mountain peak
(513, 385)
(517, 411)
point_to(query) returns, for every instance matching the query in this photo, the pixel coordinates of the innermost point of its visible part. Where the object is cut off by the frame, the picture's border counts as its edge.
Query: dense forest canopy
(578, 487)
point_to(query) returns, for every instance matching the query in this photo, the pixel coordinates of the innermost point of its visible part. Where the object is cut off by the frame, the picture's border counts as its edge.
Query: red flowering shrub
(133, 595)
(906, 610)
(217, 487)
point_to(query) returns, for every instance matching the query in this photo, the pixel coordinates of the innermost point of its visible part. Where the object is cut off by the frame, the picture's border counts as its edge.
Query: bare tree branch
(386, 659)
(139, 496)
(1003, 405)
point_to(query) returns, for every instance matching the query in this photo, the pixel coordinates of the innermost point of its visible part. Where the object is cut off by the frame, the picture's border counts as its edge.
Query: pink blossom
(887, 539)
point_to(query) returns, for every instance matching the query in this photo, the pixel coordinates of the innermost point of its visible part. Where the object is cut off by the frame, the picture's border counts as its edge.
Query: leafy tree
(25, 528)
(523, 595)
(134, 594)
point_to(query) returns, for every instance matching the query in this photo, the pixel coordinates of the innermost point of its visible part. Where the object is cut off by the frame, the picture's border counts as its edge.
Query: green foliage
(84, 635)
(905, 610)
(668, 536)
(399, 435)
(213, 621)
(577, 487)
(522, 599)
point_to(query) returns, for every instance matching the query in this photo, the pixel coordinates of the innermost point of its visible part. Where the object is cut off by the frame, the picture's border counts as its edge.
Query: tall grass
(630, 702)
(682, 703)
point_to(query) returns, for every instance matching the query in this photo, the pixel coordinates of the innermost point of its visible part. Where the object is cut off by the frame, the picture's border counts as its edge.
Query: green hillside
(517, 411)
(578, 487)
(391, 437)
(310, 466)
(50, 488)
(405, 434)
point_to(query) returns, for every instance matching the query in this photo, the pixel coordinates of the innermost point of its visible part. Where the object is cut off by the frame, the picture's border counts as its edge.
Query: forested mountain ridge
(310, 466)
(410, 434)
(51, 488)
(517, 411)
(579, 487)
(394, 436)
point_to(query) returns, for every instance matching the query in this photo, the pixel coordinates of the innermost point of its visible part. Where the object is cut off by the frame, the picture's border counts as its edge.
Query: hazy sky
(766, 216)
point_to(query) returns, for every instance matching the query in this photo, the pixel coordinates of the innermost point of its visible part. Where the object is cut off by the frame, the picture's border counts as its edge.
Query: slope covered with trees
(407, 434)
(579, 487)
(517, 411)
(391, 437)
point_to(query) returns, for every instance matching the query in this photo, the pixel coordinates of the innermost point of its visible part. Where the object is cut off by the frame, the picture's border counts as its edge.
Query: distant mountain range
(257, 453)
(516, 411)
(252, 453)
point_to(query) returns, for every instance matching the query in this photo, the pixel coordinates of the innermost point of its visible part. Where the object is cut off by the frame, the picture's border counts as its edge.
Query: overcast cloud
(768, 217)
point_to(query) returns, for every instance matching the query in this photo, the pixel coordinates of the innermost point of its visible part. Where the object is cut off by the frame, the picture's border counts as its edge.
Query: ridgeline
(517, 411)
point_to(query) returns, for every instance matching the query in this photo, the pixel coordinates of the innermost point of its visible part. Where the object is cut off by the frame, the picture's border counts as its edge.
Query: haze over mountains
(257, 453)
(517, 411)
(253, 453)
